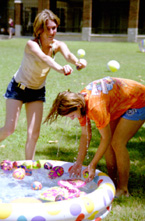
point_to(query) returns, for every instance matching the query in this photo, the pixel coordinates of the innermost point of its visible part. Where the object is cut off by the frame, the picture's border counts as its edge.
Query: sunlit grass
(67, 133)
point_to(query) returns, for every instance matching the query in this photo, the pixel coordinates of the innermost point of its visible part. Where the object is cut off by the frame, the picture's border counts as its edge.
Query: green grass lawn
(67, 132)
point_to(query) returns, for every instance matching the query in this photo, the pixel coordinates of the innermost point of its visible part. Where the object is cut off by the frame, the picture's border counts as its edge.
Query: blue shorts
(15, 91)
(135, 114)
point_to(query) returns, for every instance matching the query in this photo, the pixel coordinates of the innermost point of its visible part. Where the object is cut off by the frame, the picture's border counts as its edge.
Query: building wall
(109, 17)
(141, 25)
(30, 10)
(70, 14)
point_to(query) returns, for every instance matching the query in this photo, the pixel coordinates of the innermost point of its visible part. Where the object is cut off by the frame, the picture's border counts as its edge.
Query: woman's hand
(75, 170)
(91, 173)
(82, 63)
(67, 70)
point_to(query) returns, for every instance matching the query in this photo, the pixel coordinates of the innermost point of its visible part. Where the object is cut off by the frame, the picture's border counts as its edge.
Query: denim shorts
(135, 114)
(26, 94)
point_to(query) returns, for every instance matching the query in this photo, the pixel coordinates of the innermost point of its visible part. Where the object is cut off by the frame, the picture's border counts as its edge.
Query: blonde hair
(40, 21)
(65, 103)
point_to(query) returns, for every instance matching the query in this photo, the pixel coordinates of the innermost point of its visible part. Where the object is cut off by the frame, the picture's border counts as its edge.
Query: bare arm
(84, 144)
(105, 141)
(33, 48)
(70, 57)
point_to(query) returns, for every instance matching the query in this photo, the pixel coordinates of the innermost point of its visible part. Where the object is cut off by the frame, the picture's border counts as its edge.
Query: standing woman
(11, 27)
(28, 83)
(117, 106)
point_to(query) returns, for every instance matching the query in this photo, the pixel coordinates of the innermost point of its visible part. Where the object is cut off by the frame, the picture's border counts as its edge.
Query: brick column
(43, 4)
(87, 20)
(133, 20)
(18, 17)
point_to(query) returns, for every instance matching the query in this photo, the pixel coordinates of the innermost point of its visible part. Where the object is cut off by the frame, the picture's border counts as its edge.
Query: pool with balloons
(42, 190)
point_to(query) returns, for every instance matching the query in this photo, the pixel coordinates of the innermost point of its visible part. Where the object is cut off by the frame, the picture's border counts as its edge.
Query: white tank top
(32, 73)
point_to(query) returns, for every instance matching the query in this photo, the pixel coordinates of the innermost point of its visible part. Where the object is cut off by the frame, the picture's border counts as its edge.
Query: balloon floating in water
(113, 65)
(6, 165)
(142, 45)
(56, 172)
(85, 174)
(59, 198)
(81, 53)
(36, 185)
(19, 173)
(16, 164)
(28, 172)
(48, 166)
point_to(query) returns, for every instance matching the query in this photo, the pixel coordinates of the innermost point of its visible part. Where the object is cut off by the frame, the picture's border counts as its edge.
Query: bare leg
(111, 158)
(10, 32)
(34, 112)
(111, 164)
(124, 131)
(13, 108)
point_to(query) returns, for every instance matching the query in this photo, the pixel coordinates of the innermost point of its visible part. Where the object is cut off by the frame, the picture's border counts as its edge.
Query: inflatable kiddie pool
(93, 202)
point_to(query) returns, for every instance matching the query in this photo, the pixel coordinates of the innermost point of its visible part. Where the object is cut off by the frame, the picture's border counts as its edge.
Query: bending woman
(117, 106)
(28, 84)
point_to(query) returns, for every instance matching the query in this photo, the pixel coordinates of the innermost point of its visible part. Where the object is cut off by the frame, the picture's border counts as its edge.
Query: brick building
(89, 20)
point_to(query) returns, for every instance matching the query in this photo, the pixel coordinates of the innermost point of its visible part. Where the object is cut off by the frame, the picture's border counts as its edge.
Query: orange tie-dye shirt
(109, 98)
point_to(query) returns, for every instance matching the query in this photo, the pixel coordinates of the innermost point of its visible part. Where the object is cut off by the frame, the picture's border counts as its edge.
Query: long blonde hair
(40, 21)
(65, 103)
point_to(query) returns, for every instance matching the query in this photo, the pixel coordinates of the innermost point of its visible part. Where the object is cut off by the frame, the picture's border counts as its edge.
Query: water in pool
(11, 188)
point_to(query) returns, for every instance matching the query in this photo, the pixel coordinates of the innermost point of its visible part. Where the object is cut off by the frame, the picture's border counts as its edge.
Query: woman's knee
(33, 136)
(7, 131)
